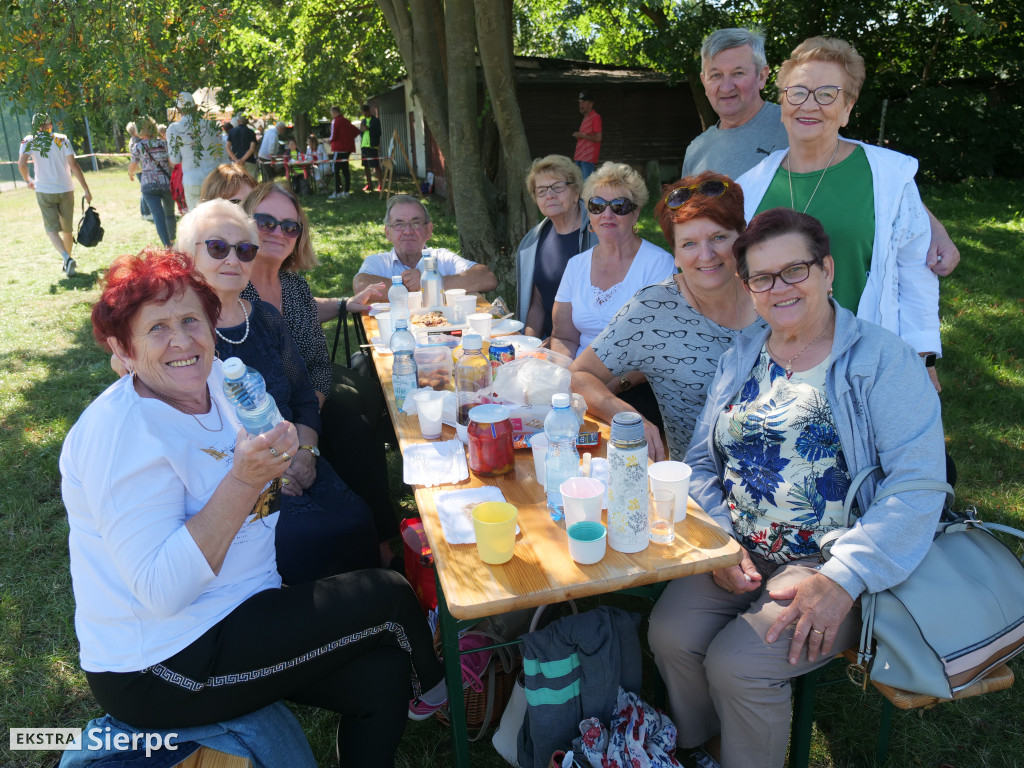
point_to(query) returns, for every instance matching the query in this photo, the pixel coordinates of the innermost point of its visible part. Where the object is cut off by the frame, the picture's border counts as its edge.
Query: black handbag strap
(157, 162)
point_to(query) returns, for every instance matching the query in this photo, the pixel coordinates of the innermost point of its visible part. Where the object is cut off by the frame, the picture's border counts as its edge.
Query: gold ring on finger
(286, 456)
(817, 630)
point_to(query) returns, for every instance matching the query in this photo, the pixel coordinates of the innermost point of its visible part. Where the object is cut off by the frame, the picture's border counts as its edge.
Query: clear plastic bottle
(472, 378)
(562, 460)
(246, 389)
(628, 521)
(398, 296)
(404, 376)
(431, 283)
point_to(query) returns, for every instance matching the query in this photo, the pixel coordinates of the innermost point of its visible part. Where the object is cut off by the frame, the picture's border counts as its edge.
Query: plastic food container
(434, 364)
(490, 440)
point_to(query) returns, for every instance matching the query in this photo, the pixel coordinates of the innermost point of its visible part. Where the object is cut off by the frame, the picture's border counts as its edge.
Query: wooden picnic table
(541, 571)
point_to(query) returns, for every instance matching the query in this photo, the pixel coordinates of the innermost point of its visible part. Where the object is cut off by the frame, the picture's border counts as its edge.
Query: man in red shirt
(588, 137)
(343, 144)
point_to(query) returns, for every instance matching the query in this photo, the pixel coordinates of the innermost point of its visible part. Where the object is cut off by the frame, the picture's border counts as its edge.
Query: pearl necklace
(789, 170)
(244, 337)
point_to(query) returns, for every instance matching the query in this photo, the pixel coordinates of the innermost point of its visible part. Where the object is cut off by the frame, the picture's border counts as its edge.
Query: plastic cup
(662, 513)
(480, 323)
(464, 307)
(582, 497)
(452, 295)
(384, 328)
(415, 300)
(539, 444)
(494, 523)
(587, 542)
(429, 406)
(672, 476)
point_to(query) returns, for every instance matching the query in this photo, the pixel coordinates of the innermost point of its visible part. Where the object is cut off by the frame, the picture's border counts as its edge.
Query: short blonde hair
(617, 175)
(224, 181)
(302, 257)
(559, 166)
(827, 49)
(146, 127)
(193, 222)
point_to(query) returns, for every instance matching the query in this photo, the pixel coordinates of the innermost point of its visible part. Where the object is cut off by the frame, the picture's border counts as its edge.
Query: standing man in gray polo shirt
(54, 160)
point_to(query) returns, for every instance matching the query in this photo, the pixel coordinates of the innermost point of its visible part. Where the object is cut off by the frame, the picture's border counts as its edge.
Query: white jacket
(902, 293)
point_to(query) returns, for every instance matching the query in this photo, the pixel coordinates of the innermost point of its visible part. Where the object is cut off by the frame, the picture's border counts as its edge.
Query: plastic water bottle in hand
(404, 375)
(247, 390)
(562, 460)
(398, 296)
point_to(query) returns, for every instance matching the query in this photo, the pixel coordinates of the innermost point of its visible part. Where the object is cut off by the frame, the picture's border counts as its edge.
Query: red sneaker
(367, 188)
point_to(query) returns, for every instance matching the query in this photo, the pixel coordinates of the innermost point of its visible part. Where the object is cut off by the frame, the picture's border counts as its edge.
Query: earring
(636, 230)
(830, 293)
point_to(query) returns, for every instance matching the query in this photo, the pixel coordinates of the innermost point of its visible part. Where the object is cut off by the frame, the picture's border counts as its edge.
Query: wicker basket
(501, 682)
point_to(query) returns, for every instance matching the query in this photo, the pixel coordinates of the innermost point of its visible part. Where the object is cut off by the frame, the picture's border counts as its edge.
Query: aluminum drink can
(499, 353)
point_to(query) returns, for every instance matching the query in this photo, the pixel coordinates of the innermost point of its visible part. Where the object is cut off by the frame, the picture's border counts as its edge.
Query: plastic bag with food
(533, 380)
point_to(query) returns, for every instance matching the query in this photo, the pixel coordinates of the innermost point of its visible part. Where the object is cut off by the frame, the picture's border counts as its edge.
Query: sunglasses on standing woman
(267, 223)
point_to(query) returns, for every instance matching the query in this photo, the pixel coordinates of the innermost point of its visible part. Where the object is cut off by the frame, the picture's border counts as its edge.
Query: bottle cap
(234, 368)
(401, 323)
(560, 400)
(396, 279)
(472, 341)
(627, 427)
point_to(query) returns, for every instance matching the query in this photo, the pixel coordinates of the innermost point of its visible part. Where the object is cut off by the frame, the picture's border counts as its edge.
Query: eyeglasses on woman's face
(621, 206)
(823, 94)
(557, 188)
(267, 223)
(710, 188)
(791, 275)
(219, 249)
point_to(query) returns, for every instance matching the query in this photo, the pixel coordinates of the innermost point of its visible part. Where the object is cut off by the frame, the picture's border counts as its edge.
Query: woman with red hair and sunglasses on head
(597, 282)
(674, 331)
(324, 527)
(351, 404)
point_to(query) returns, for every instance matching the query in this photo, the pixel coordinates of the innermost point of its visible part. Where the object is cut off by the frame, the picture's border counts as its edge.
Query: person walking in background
(242, 145)
(343, 144)
(196, 144)
(133, 138)
(588, 137)
(54, 159)
(269, 147)
(150, 153)
(370, 147)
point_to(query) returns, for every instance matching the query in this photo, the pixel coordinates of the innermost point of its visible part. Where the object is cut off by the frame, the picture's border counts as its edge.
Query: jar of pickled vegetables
(490, 440)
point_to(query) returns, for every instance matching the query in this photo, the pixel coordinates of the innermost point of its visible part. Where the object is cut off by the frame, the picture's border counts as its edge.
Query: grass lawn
(50, 369)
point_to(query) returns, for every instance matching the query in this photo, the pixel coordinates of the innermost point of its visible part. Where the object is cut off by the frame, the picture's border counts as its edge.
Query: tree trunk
(493, 26)
(700, 100)
(465, 171)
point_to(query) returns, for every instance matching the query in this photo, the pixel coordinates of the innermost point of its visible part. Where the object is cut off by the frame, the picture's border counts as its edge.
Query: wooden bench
(209, 758)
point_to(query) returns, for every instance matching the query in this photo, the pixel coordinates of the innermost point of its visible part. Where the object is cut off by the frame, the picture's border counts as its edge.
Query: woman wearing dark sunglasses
(350, 404)
(324, 528)
(674, 331)
(597, 282)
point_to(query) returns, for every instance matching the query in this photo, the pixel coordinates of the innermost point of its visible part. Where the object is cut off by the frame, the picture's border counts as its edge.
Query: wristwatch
(929, 360)
(312, 449)
(624, 383)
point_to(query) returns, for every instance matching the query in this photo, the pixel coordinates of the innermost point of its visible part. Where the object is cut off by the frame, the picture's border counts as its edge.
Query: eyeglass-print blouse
(785, 474)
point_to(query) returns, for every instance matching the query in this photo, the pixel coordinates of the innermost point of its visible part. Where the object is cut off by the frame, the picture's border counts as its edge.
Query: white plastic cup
(429, 407)
(480, 323)
(587, 542)
(673, 476)
(582, 497)
(384, 328)
(452, 295)
(539, 444)
(464, 307)
(415, 300)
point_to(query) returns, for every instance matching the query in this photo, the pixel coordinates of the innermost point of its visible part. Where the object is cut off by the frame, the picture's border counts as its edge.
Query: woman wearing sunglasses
(324, 527)
(597, 282)
(555, 183)
(865, 196)
(795, 412)
(350, 403)
(674, 331)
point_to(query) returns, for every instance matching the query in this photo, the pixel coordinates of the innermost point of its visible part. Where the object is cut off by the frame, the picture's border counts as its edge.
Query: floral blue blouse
(785, 474)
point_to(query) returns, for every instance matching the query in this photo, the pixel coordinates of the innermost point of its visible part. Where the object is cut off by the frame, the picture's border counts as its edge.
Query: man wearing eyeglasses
(734, 69)
(408, 226)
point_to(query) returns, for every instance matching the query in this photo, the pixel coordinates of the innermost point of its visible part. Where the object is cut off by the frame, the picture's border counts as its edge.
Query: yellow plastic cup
(495, 525)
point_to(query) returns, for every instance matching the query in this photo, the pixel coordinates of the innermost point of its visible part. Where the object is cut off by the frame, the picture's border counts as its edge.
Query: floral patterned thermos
(627, 484)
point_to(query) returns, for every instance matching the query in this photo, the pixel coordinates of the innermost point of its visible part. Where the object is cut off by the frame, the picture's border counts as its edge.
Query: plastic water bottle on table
(562, 460)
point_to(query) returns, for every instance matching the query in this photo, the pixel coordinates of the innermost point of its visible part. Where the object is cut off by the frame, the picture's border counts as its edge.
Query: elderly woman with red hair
(674, 331)
(172, 509)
